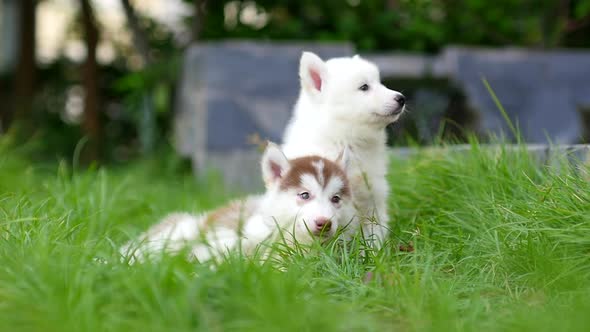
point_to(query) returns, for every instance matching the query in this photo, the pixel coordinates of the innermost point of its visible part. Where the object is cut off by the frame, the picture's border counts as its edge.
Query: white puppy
(306, 198)
(343, 104)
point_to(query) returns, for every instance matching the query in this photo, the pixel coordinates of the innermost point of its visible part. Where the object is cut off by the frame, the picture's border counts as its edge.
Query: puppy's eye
(335, 199)
(364, 87)
(304, 195)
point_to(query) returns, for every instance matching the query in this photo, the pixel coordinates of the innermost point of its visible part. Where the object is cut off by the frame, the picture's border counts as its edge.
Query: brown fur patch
(305, 165)
(231, 215)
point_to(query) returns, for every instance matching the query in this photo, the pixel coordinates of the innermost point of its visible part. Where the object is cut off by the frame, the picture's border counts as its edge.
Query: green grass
(500, 245)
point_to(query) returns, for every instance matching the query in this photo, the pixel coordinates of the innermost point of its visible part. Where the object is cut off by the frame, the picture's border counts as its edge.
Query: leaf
(582, 9)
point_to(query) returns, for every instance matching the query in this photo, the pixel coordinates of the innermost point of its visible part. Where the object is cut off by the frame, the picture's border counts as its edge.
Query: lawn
(501, 244)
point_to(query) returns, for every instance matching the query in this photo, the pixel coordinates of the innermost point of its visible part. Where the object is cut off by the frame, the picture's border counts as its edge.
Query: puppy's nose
(400, 99)
(323, 224)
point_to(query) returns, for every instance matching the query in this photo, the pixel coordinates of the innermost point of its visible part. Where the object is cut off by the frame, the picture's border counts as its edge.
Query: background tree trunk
(199, 20)
(9, 35)
(24, 76)
(147, 116)
(91, 122)
(139, 39)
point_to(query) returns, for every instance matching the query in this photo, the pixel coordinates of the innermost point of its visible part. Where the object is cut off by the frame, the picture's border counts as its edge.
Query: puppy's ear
(312, 72)
(343, 159)
(274, 164)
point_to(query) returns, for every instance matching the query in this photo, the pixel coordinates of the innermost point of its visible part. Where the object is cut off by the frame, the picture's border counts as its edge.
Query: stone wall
(235, 94)
(543, 92)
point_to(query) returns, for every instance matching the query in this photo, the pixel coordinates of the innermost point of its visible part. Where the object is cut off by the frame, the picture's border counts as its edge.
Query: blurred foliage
(371, 25)
(414, 25)
(437, 111)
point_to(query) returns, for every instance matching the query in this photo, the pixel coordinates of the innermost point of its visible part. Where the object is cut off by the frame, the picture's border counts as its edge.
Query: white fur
(339, 115)
(262, 218)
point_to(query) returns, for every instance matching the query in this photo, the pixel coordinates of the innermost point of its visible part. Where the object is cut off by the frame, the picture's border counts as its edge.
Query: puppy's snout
(323, 224)
(400, 99)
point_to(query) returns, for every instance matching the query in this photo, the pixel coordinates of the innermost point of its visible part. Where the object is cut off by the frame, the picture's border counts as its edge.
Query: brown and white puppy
(306, 198)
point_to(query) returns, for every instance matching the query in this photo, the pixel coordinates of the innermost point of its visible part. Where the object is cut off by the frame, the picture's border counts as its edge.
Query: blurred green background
(101, 75)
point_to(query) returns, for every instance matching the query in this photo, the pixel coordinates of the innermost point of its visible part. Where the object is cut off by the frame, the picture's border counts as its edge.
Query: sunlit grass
(500, 242)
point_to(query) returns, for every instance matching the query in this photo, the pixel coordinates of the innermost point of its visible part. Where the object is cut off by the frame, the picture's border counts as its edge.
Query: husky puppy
(342, 103)
(306, 198)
